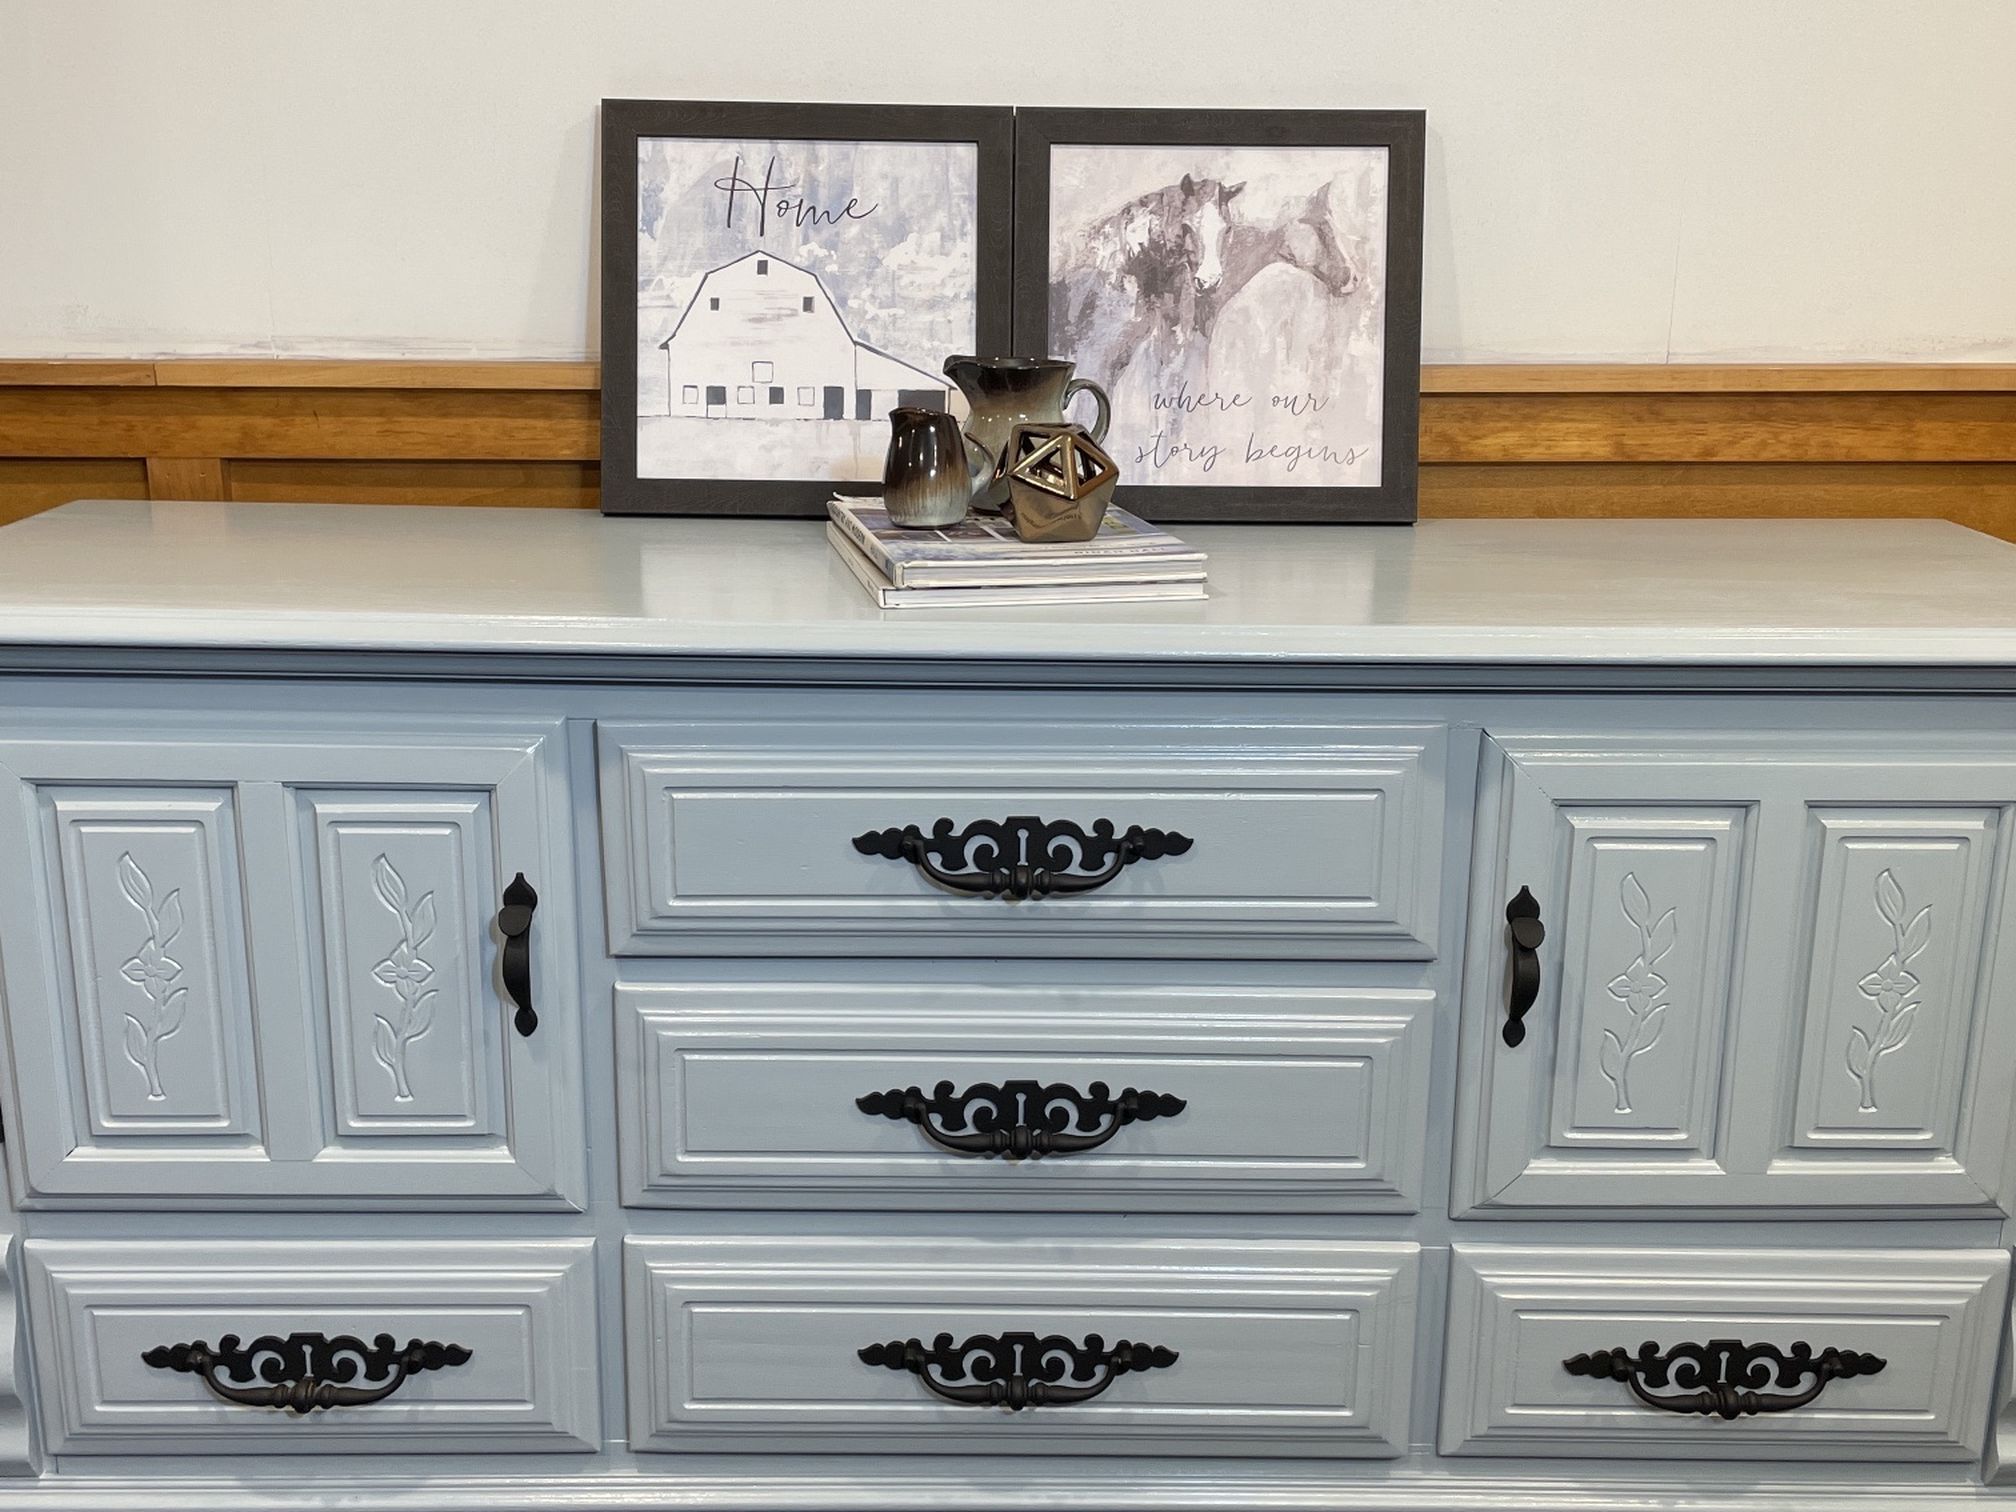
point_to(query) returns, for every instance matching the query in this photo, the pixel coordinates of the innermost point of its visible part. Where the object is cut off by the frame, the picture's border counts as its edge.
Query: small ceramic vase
(1058, 481)
(931, 471)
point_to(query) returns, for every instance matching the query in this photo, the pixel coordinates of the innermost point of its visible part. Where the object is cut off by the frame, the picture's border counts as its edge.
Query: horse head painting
(1147, 283)
(1198, 287)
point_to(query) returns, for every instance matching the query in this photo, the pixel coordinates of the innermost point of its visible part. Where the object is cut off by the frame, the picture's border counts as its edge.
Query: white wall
(1636, 180)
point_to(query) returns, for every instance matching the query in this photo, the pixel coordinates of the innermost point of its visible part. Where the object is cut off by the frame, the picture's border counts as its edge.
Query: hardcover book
(984, 551)
(888, 596)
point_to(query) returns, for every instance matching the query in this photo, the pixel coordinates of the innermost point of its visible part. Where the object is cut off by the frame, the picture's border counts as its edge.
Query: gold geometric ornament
(1060, 482)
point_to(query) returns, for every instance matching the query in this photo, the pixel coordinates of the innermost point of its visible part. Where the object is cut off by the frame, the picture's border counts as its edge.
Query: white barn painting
(791, 293)
(761, 339)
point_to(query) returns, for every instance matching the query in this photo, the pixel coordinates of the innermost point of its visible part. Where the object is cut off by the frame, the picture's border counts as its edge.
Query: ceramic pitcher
(932, 469)
(1005, 392)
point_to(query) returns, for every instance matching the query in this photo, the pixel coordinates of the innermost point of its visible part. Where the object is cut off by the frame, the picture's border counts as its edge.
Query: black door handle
(305, 1371)
(1017, 1370)
(1022, 1120)
(514, 922)
(1524, 929)
(1022, 857)
(1721, 1378)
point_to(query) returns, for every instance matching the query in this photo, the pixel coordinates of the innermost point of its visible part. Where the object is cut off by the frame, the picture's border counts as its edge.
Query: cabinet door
(263, 969)
(1768, 979)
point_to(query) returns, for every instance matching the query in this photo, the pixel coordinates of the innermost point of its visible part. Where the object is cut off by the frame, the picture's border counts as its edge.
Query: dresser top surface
(340, 577)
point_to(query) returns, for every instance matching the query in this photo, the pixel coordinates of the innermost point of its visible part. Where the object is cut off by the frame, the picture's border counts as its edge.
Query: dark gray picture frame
(1403, 133)
(626, 122)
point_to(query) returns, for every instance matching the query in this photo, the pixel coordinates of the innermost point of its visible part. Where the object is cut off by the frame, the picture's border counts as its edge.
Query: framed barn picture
(1246, 286)
(776, 279)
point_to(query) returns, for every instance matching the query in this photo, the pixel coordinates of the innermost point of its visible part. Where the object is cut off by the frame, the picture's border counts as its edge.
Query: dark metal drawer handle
(1022, 1120)
(1524, 929)
(305, 1371)
(514, 922)
(1017, 1370)
(1725, 1378)
(1022, 857)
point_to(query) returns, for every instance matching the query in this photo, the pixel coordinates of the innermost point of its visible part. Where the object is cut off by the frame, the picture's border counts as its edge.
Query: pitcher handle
(979, 461)
(1105, 405)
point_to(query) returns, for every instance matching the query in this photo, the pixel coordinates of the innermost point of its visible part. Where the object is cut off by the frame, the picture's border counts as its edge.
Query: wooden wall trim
(253, 372)
(1436, 378)
(1501, 439)
(1741, 378)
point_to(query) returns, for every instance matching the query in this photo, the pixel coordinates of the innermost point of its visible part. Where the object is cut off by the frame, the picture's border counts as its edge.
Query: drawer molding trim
(733, 837)
(753, 1343)
(749, 1094)
(522, 1313)
(1933, 1317)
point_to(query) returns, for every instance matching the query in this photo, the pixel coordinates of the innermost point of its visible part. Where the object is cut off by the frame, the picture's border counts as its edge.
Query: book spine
(871, 548)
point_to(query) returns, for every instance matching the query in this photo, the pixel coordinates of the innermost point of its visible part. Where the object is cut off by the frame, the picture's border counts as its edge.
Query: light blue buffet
(531, 938)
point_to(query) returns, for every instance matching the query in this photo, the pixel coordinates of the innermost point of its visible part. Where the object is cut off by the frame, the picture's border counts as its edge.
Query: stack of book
(982, 561)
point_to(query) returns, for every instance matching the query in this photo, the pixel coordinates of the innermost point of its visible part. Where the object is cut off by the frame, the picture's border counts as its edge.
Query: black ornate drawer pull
(1020, 1119)
(1725, 1378)
(514, 922)
(1022, 857)
(1523, 927)
(1017, 1370)
(305, 1371)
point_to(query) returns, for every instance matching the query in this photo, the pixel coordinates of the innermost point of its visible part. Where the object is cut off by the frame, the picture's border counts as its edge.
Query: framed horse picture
(776, 279)
(1246, 287)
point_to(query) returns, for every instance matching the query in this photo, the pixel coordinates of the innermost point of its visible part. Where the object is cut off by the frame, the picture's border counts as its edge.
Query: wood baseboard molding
(1505, 440)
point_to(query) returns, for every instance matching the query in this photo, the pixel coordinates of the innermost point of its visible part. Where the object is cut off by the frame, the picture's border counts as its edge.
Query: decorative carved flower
(1889, 984)
(1638, 985)
(152, 967)
(403, 966)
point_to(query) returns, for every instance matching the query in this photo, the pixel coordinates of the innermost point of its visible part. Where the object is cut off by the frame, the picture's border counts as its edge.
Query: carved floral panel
(1645, 929)
(157, 961)
(1891, 990)
(405, 894)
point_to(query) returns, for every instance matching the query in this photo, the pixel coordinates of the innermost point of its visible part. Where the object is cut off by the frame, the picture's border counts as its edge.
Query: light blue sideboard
(1486, 1015)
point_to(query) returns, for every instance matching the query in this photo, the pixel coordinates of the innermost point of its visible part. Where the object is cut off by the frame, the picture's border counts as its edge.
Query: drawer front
(524, 1313)
(1517, 1316)
(1264, 1348)
(1303, 840)
(261, 967)
(1768, 980)
(1291, 1100)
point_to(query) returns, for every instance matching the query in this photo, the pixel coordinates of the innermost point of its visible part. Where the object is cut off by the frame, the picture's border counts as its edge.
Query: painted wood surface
(1495, 595)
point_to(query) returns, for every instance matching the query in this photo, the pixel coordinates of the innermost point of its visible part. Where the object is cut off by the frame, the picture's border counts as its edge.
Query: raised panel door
(263, 969)
(1767, 980)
